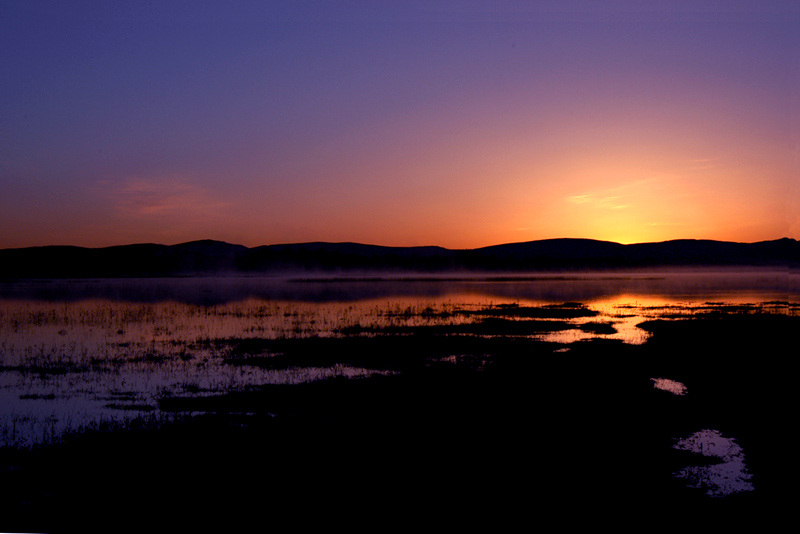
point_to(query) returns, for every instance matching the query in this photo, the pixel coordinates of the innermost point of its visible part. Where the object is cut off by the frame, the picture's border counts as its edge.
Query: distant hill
(218, 258)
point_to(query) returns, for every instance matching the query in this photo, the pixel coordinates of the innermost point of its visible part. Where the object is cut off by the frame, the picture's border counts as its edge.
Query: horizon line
(208, 240)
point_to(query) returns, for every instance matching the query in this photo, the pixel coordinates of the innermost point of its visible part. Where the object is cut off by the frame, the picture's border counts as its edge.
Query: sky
(454, 123)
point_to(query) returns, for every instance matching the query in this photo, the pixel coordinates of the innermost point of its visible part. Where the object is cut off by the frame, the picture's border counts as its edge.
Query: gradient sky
(460, 124)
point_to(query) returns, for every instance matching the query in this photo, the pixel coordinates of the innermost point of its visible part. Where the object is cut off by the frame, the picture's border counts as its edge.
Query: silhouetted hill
(588, 253)
(547, 254)
(197, 257)
(218, 258)
(706, 252)
(333, 257)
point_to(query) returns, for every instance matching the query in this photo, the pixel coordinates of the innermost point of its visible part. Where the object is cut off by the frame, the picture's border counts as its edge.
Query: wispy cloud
(625, 196)
(165, 209)
(701, 164)
(579, 199)
(166, 198)
(613, 202)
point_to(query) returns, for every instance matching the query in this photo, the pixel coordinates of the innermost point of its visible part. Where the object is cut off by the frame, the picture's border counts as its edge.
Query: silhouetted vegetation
(458, 417)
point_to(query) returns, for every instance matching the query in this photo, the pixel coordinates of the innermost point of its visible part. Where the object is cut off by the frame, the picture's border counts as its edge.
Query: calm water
(77, 353)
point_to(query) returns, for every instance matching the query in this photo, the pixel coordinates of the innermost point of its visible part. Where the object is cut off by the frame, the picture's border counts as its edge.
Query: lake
(82, 356)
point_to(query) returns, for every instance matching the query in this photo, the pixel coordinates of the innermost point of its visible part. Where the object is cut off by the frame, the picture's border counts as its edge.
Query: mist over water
(728, 285)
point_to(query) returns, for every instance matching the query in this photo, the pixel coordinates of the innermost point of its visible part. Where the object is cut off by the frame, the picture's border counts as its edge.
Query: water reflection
(672, 386)
(727, 476)
(676, 285)
(73, 351)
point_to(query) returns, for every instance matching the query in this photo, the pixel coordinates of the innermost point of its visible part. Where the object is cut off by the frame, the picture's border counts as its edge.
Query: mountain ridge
(212, 257)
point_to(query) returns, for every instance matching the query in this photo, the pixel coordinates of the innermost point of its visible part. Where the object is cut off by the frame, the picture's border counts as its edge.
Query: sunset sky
(460, 124)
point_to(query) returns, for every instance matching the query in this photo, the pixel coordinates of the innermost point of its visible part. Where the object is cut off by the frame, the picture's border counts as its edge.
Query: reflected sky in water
(726, 477)
(74, 352)
(672, 386)
(636, 288)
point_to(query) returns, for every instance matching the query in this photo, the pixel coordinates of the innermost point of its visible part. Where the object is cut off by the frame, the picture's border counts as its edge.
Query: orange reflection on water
(672, 386)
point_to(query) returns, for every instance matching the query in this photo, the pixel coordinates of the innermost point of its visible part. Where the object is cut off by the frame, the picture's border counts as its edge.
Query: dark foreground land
(491, 432)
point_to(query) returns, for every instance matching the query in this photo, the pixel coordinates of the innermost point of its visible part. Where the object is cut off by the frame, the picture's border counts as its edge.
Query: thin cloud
(608, 202)
(178, 198)
(170, 209)
(580, 199)
(701, 164)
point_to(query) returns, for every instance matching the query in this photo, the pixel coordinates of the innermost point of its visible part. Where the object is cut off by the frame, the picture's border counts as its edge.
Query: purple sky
(459, 124)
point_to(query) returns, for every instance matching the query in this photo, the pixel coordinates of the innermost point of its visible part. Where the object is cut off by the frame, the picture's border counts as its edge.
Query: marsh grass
(271, 407)
(71, 358)
(352, 402)
(77, 355)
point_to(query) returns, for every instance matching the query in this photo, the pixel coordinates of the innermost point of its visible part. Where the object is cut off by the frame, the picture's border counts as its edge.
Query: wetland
(459, 398)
